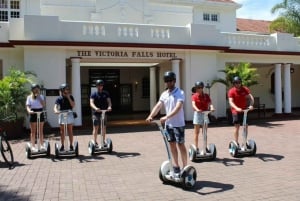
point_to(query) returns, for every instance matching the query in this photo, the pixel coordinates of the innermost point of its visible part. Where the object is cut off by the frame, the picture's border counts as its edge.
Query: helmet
(236, 79)
(99, 82)
(63, 87)
(199, 84)
(169, 76)
(34, 86)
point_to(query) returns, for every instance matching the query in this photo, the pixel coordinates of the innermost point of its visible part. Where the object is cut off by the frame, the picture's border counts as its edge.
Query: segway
(66, 151)
(105, 145)
(187, 176)
(248, 147)
(207, 152)
(37, 149)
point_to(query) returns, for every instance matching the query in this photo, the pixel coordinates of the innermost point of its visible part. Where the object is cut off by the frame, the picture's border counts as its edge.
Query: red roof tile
(258, 26)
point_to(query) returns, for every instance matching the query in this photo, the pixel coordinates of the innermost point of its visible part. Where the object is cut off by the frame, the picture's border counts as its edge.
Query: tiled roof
(258, 26)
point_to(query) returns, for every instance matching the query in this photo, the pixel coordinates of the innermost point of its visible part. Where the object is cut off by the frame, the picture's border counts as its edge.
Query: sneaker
(34, 149)
(71, 148)
(176, 170)
(62, 148)
(96, 144)
(197, 151)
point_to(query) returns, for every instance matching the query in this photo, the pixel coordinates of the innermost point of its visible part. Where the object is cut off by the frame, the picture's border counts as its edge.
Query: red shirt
(202, 101)
(239, 97)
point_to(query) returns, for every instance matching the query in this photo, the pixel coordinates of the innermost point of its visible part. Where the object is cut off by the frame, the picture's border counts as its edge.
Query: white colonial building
(131, 43)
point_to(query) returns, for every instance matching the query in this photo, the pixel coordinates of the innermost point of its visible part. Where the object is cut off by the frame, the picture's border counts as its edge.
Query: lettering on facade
(125, 54)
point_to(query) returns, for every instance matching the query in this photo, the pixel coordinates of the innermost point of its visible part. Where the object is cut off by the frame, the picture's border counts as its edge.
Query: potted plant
(247, 73)
(13, 92)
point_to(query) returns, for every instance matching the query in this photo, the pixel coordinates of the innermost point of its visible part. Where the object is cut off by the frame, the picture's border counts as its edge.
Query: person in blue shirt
(65, 102)
(99, 100)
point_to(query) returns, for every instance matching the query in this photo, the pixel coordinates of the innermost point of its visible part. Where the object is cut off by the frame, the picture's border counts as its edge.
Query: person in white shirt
(35, 102)
(172, 99)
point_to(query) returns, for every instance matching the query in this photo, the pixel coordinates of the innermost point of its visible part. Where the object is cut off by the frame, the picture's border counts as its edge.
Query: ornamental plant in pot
(13, 92)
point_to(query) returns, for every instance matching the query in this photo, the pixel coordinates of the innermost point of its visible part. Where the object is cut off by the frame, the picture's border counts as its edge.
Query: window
(210, 17)
(214, 17)
(206, 16)
(9, 9)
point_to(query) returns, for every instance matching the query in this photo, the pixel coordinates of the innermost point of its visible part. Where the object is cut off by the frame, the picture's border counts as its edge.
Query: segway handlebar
(65, 111)
(38, 112)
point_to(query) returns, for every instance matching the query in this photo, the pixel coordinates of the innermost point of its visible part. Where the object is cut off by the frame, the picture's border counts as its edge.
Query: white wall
(11, 57)
(50, 66)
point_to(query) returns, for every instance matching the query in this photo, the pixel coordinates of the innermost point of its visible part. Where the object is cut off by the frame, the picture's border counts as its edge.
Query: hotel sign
(124, 54)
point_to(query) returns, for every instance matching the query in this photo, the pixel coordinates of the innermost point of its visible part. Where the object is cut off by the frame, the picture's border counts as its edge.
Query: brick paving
(131, 171)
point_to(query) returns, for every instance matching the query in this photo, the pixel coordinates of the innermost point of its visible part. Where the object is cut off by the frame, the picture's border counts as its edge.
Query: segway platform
(106, 147)
(66, 151)
(33, 151)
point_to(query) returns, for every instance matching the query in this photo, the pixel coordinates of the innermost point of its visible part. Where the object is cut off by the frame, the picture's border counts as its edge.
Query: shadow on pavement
(125, 154)
(3, 164)
(11, 195)
(230, 161)
(210, 187)
(269, 157)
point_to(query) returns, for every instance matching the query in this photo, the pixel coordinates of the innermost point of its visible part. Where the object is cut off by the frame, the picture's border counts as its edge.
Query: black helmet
(236, 79)
(199, 84)
(33, 86)
(63, 87)
(99, 82)
(169, 76)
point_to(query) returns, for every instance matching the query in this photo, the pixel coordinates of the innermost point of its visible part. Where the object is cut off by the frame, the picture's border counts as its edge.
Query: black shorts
(33, 117)
(96, 119)
(238, 118)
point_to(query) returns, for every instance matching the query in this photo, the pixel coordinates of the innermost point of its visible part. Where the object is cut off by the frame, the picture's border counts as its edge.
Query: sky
(257, 9)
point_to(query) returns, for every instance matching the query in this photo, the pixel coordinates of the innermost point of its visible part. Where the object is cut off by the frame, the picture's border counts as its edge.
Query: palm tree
(243, 70)
(289, 17)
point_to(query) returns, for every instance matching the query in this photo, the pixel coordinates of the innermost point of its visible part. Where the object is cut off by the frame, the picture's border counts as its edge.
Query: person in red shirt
(200, 102)
(239, 96)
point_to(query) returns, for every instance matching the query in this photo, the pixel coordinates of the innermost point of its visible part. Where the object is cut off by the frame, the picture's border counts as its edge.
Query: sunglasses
(199, 87)
(237, 83)
(168, 81)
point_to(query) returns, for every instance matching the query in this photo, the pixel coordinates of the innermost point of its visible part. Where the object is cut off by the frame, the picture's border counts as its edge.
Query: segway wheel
(192, 153)
(48, 148)
(252, 145)
(91, 146)
(164, 170)
(76, 149)
(109, 145)
(233, 149)
(212, 149)
(56, 150)
(28, 152)
(189, 177)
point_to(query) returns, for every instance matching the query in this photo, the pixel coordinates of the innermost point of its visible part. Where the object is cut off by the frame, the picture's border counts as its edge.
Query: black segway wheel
(28, 152)
(76, 148)
(91, 147)
(252, 146)
(109, 145)
(213, 150)
(189, 177)
(192, 153)
(48, 148)
(56, 150)
(233, 149)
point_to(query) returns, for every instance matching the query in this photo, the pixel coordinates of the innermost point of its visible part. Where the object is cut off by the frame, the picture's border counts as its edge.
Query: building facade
(131, 43)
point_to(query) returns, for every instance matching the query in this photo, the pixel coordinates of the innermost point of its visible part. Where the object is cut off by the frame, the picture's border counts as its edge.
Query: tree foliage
(13, 92)
(289, 17)
(243, 70)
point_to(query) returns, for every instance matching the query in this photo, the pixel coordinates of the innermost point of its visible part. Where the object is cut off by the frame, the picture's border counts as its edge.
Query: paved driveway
(131, 171)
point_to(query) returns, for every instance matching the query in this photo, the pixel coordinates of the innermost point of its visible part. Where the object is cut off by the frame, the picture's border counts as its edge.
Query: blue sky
(257, 9)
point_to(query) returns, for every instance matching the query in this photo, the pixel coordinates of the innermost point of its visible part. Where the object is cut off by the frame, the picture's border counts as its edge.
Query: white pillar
(287, 88)
(176, 70)
(76, 89)
(152, 87)
(278, 89)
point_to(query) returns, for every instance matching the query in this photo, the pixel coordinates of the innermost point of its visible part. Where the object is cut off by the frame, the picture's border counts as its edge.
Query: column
(153, 87)
(76, 89)
(278, 89)
(176, 70)
(287, 89)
